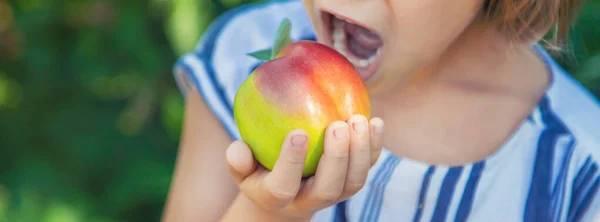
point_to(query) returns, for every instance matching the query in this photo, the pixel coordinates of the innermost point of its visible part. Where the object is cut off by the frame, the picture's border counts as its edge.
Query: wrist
(244, 209)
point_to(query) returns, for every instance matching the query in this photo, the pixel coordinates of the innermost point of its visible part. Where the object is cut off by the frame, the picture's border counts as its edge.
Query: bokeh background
(89, 112)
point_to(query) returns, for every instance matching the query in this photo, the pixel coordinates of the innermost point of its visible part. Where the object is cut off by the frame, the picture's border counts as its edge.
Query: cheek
(431, 25)
(420, 32)
(311, 11)
(309, 8)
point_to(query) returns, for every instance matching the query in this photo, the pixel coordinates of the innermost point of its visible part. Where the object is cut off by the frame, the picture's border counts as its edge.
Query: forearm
(244, 209)
(199, 194)
(202, 188)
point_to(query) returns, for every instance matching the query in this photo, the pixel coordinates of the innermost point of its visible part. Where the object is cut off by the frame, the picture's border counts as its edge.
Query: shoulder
(576, 111)
(572, 113)
(219, 63)
(575, 107)
(579, 110)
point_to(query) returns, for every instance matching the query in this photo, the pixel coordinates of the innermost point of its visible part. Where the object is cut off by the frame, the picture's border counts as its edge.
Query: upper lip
(343, 17)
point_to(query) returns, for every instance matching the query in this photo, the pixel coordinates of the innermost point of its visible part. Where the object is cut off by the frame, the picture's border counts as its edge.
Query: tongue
(365, 38)
(358, 50)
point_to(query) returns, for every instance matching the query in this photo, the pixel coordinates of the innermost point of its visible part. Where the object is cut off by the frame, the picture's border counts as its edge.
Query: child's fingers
(240, 160)
(326, 187)
(281, 185)
(376, 138)
(360, 160)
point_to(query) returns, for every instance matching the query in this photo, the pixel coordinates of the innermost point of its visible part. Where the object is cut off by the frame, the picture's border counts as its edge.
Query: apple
(301, 85)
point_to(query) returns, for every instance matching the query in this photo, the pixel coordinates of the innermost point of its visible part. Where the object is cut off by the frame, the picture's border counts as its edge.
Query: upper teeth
(339, 36)
(340, 44)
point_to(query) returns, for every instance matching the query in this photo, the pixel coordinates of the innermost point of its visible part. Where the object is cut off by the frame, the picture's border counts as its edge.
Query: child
(480, 123)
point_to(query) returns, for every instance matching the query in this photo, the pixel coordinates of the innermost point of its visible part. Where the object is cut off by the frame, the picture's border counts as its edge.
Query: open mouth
(356, 42)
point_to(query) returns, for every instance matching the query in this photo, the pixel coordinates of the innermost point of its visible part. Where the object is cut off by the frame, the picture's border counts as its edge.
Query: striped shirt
(547, 170)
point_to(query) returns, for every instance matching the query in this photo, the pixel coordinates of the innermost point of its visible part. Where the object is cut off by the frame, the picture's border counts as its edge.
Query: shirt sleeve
(219, 64)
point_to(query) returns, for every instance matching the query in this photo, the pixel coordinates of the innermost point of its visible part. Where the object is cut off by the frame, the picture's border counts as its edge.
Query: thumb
(241, 161)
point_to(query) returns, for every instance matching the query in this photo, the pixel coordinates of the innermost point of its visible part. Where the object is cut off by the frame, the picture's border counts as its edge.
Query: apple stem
(282, 39)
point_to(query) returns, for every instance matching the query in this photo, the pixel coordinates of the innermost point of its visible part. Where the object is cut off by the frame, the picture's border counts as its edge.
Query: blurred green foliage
(89, 112)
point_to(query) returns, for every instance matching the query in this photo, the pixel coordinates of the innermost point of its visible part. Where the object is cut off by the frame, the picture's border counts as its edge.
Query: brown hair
(527, 20)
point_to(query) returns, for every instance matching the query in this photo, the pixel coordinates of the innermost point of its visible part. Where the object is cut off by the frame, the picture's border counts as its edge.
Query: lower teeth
(341, 45)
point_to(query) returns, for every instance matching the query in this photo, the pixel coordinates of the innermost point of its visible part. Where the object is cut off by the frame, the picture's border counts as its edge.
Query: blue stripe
(464, 208)
(589, 175)
(424, 188)
(539, 201)
(256, 65)
(446, 193)
(378, 200)
(202, 91)
(208, 46)
(560, 187)
(582, 172)
(580, 197)
(375, 184)
(311, 37)
(370, 195)
(585, 203)
(339, 215)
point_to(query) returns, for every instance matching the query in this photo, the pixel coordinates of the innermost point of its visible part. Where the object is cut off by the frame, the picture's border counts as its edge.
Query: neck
(440, 116)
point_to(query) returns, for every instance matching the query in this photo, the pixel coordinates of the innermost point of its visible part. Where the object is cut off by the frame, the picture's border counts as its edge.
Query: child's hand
(351, 148)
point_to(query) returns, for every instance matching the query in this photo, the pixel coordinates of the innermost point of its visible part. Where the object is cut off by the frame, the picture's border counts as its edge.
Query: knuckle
(362, 142)
(328, 197)
(338, 153)
(342, 156)
(295, 160)
(353, 187)
(366, 147)
(362, 149)
(260, 200)
(265, 204)
(279, 194)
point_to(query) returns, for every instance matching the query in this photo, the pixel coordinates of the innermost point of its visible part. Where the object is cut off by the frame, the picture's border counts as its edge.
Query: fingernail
(231, 154)
(378, 128)
(359, 126)
(340, 133)
(298, 141)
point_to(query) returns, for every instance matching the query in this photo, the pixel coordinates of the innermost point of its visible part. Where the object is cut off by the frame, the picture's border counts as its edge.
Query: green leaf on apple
(282, 39)
(263, 55)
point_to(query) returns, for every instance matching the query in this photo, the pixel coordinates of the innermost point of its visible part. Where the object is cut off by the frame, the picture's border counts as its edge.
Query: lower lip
(366, 73)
